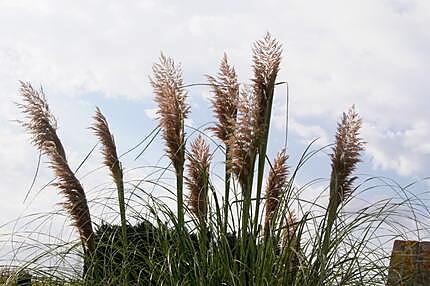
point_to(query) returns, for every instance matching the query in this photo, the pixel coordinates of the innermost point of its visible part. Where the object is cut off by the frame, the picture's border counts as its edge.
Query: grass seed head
(225, 88)
(172, 107)
(42, 126)
(276, 184)
(346, 154)
(243, 143)
(266, 61)
(198, 175)
(39, 121)
(101, 130)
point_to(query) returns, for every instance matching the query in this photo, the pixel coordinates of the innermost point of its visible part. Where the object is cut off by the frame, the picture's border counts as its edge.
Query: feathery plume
(101, 130)
(170, 96)
(41, 125)
(346, 155)
(290, 244)
(39, 121)
(243, 143)
(76, 202)
(172, 110)
(198, 175)
(290, 228)
(276, 182)
(266, 60)
(225, 88)
(344, 160)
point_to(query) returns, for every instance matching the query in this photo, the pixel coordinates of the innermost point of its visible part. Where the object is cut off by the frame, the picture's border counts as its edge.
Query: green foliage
(305, 241)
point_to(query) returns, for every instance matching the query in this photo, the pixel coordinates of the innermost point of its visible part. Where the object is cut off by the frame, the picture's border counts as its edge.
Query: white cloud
(151, 113)
(407, 152)
(306, 132)
(337, 53)
(310, 133)
(372, 53)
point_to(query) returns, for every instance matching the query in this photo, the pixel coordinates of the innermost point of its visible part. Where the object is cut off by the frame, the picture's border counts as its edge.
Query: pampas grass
(276, 184)
(172, 107)
(289, 229)
(266, 63)
(42, 126)
(172, 111)
(225, 89)
(243, 143)
(345, 156)
(101, 130)
(344, 159)
(75, 203)
(198, 178)
(267, 54)
(39, 121)
(243, 148)
(301, 239)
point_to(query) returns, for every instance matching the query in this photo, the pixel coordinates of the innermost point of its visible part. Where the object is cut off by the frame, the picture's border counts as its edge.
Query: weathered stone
(410, 264)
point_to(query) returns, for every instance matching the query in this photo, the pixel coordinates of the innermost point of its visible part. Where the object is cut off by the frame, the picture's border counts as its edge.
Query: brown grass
(289, 229)
(101, 130)
(225, 89)
(344, 160)
(42, 126)
(266, 60)
(276, 184)
(243, 143)
(172, 110)
(76, 202)
(346, 154)
(39, 121)
(198, 177)
(170, 96)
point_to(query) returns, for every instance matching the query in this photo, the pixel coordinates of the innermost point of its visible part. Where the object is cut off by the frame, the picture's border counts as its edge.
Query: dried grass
(42, 126)
(267, 55)
(172, 110)
(225, 89)
(171, 98)
(198, 177)
(346, 155)
(101, 130)
(243, 143)
(276, 184)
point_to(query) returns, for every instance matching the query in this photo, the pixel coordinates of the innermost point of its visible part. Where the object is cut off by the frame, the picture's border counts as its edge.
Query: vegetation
(256, 232)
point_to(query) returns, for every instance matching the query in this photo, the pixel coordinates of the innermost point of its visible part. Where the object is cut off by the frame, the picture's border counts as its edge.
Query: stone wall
(409, 264)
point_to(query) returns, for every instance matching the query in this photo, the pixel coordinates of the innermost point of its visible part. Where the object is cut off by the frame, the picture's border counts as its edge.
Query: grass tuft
(321, 233)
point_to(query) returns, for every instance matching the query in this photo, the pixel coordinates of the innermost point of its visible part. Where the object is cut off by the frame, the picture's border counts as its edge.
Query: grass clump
(246, 234)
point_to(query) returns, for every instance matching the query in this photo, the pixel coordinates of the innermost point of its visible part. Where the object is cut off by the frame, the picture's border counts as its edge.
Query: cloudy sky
(371, 53)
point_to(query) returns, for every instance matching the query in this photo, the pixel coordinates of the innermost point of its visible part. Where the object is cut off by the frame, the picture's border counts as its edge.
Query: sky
(371, 53)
